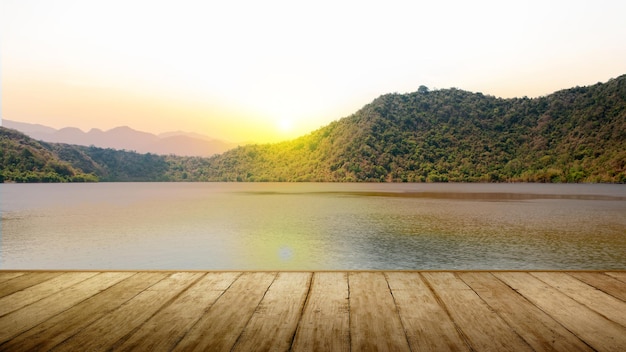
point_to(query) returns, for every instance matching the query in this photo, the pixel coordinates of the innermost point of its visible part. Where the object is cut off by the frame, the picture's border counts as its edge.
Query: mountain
(573, 135)
(23, 159)
(126, 138)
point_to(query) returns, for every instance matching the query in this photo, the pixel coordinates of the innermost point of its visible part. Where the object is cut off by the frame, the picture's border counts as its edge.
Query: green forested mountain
(573, 135)
(23, 159)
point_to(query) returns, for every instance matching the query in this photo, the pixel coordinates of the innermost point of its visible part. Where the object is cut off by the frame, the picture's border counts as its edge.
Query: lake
(312, 226)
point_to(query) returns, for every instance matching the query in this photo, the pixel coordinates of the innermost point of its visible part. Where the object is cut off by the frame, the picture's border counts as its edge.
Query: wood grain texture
(40, 291)
(108, 330)
(31, 315)
(620, 275)
(220, 327)
(484, 329)
(312, 311)
(25, 281)
(538, 329)
(325, 322)
(53, 331)
(597, 331)
(273, 325)
(7, 275)
(427, 325)
(601, 302)
(163, 331)
(374, 321)
(603, 282)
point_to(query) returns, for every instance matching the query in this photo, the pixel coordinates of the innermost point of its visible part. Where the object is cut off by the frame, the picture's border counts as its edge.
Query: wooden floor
(313, 311)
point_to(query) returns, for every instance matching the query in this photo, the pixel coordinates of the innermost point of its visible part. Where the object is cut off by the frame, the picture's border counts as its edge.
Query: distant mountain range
(126, 138)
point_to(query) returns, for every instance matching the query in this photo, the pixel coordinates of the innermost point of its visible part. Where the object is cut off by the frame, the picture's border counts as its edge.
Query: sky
(265, 71)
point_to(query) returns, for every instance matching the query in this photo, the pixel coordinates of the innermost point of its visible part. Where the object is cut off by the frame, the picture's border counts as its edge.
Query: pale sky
(271, 70)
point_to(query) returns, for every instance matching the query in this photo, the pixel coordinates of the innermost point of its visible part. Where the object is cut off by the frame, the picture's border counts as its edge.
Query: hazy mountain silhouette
(126, 138)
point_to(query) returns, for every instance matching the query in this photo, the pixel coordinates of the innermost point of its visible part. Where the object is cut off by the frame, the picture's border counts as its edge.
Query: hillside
(22, 159)
(448, 135)
(573, 135)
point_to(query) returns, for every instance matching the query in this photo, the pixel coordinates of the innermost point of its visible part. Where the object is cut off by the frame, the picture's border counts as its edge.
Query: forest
(451, 135)
(23, 159)
(446, 135)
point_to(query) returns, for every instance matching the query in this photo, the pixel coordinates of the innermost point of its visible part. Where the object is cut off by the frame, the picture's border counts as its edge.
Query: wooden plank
(161, 311)
(374, 321)
(537, 328)
(51, 332)
(20, 320)
(9, 275)
(220, 327)
(273, 325)
(107, 331)
(607, 305)
(594, 329)
(620, 275)
(25, 281)
(483, 328)
(603, 282)
(40, 291)
(163, 331)
(325, 322)
(427, 325)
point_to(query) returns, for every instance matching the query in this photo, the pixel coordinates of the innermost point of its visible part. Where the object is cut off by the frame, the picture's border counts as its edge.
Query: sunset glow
(285, 125)
(268, 71)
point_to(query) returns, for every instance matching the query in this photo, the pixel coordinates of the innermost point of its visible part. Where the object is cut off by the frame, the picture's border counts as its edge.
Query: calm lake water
(312, 226)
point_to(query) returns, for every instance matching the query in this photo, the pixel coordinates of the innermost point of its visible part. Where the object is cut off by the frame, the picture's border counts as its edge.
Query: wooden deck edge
(322, 271)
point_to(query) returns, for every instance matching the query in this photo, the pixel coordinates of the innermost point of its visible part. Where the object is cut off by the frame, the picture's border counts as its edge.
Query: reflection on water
(312, 226)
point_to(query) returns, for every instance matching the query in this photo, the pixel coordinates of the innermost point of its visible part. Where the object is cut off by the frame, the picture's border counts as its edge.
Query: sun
(285, 125)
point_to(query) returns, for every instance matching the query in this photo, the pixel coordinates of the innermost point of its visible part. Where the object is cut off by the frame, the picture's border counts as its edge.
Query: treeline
(448, 135)
(23, 159)
(574, 135)
(111, 165)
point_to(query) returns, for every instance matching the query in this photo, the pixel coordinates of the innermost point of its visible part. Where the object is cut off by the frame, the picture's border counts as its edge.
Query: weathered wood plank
(20, 320)
(273, 325)
(40, 291)
(6, 275)
(539, 330)
(597, 331)
(259, 311)
(220, 327)
(325, 322)
(603, 303)
(620, 275)
(51, 332)
(603, 282)
(107, 331)
(163, 331)
(374, 321)
(427, 325)
(483, 328)
(25, 281)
